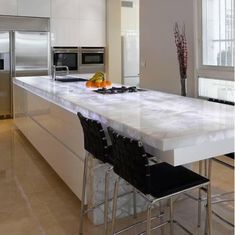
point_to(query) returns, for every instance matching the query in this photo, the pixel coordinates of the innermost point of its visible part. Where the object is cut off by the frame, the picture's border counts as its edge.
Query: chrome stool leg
(115, 196)
(206, 168)
(161, 217)
(221, 194)
(209, 222)
(134, 203)
(209, 168)
(199, 199)
(149, 215)
(106, 201)
(171, 217)
(199, 213)
(209, 210)
(83, 194)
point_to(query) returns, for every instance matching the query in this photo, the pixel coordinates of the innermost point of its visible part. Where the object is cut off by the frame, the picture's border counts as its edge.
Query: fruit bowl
(91, 84)
(98, 81)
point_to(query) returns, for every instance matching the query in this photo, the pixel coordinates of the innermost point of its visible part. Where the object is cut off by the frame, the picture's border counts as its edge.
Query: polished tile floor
(35, 201)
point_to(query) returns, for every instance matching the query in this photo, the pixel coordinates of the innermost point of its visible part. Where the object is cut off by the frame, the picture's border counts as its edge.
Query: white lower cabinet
(55, 133)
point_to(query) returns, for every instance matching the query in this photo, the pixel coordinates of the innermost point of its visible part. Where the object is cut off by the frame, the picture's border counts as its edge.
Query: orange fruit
(97, 84)
(88, 84)
(93, 84)
(108, 83)
(103, 84)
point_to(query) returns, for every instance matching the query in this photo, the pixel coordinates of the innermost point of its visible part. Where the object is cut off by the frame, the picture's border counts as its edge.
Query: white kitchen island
(180, 130)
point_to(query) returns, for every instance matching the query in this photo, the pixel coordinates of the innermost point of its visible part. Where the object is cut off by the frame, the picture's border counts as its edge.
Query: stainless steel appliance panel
(16, 23)
(24, 51)
(66, 56)
(5, 74)
(91, 56)
(91, 59)
(31, 51)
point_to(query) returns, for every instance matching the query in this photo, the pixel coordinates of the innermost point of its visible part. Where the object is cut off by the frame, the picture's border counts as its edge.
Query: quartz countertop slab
(161, 120)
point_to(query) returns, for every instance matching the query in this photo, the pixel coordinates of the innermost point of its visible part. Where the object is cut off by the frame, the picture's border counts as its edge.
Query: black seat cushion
(131, 162)
(166, 179)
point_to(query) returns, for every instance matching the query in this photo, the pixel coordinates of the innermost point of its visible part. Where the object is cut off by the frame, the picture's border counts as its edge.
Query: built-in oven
(66, 56)
(91, 59)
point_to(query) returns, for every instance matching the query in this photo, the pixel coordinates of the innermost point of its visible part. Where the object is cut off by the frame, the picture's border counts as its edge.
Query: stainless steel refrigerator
(23, 52)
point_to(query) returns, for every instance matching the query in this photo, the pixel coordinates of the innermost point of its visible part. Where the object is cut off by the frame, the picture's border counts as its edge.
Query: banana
(97, 77)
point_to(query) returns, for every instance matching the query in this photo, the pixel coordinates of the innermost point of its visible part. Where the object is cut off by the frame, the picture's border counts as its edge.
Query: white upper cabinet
(65, 32)
(92, 33)
(65, 23)
(73, 22)
(92, 10)
(8, 7)
(65, 9)
(92, 19)
(40, 8)
(78, 22)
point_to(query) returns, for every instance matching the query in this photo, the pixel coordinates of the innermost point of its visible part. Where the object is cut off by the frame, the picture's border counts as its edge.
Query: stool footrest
(138, 223)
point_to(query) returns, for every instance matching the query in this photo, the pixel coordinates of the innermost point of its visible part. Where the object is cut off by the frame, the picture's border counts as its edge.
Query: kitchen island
(179, 130)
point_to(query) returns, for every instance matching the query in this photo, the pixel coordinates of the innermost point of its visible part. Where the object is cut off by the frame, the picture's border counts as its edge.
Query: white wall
(113, 37)
(159, 65)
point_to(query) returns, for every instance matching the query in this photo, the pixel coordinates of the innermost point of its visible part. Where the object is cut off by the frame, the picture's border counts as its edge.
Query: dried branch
(182, 51)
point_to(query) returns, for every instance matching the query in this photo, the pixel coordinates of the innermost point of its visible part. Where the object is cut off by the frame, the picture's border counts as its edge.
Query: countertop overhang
(161, 120)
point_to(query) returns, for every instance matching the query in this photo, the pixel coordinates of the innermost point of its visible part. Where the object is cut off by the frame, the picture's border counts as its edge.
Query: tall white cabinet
(81, 22)
(73, 22)
(92, 16)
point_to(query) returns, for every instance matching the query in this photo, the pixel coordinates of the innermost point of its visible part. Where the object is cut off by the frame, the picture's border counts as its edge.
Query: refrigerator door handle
(12, 56)
(12, 65)
(5, 75)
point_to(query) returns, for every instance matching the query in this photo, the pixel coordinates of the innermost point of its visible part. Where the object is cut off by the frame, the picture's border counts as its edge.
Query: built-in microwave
(66, 56)
(91, 59)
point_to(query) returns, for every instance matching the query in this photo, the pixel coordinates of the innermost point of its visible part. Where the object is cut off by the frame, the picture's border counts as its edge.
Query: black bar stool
(221, 197)
(208, 167)
(95, 144)
(154, 182)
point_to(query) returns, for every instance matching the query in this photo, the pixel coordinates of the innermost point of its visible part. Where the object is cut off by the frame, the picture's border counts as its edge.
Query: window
(217, 32)
(217, 89)
(216, 49)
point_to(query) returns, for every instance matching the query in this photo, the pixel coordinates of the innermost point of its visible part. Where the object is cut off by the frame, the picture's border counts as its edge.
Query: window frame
(210, 71)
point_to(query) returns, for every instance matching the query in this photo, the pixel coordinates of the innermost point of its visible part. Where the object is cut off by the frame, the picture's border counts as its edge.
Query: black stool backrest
(130, 161)
(95, 141)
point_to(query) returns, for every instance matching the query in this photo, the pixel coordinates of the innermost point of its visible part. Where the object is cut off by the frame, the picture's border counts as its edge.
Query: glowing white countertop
(161, 120)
